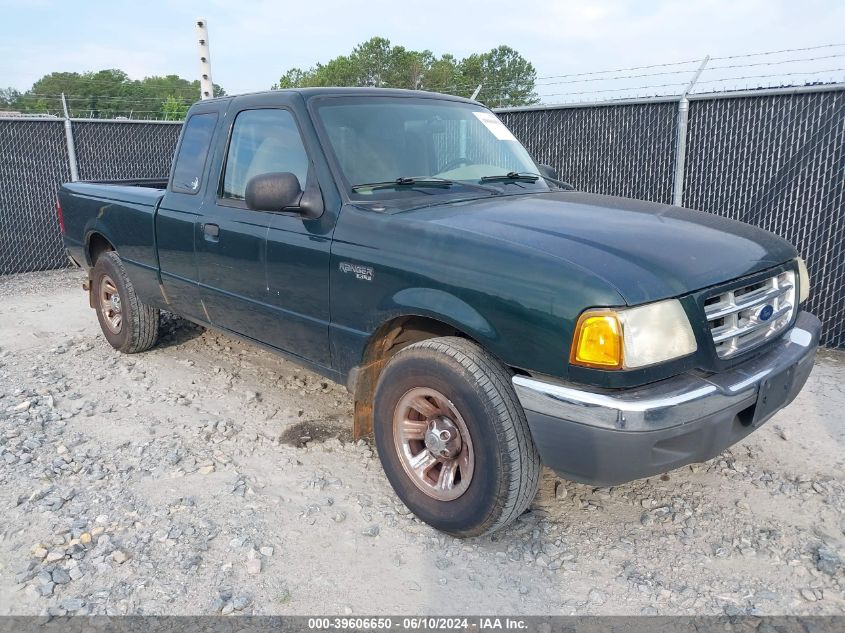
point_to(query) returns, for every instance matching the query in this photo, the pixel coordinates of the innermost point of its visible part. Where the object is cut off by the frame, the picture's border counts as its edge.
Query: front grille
(743, 318)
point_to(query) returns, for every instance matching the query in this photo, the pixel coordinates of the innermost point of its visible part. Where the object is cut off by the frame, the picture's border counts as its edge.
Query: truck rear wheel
(129, 325)
(453, 438)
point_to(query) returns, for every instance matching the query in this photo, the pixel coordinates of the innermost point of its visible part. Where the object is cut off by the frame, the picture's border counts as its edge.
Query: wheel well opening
(387, 340)
(402, 332)
(97, 245)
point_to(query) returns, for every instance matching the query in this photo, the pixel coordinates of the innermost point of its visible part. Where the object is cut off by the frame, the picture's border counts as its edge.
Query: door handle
(211, 231)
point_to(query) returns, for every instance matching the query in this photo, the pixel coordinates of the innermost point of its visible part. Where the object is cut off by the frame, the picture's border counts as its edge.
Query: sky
(254, 42)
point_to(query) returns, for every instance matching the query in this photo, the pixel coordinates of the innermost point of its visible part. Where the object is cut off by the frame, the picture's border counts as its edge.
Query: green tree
(443, 75)
(293, 78)
(506, 77)
(374, 61)
(9, 98)
(173, 109)
(110, 93)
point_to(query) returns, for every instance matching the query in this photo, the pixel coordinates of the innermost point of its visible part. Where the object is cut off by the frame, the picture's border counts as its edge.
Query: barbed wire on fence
(615, 78)
(794, 69)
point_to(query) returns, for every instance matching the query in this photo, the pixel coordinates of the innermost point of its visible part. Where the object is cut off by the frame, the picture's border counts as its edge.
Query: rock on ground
(207, 476)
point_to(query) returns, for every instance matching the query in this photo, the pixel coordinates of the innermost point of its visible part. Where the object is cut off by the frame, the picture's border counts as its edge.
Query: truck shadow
(173, 330)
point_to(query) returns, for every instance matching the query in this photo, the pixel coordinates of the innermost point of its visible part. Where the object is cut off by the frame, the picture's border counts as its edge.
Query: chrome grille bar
(750, 326)
(743, 318)
(767, 296)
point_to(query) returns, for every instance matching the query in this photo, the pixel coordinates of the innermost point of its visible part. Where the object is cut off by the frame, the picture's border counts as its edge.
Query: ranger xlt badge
(364, 273)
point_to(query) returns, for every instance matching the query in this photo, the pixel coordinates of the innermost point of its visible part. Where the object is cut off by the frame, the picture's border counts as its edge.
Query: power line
(140, 96)
(620, 70)
(576, 81)
(70, 97)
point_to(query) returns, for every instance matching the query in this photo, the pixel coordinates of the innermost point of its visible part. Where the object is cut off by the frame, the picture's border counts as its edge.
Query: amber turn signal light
(598, 340)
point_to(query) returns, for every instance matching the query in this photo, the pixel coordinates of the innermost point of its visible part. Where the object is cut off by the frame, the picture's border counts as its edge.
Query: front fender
(441, 306)
(519, 303)
(349, 345)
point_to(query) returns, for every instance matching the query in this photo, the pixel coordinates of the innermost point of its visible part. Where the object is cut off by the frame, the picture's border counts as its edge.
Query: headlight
(803, 281)
(632, 337)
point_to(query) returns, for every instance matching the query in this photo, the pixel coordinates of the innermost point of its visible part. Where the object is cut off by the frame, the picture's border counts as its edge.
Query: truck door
(178, 212)
(237, 247)
(231, 239)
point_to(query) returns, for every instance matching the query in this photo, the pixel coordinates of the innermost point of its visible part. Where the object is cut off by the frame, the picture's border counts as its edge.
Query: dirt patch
(301, 434)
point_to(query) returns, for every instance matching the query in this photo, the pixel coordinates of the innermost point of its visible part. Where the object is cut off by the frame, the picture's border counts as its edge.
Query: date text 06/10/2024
(422, 623)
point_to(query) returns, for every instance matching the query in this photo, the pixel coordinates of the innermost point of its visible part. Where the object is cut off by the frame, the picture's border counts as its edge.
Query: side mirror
(281, 191)
(548, 171)
(273, 192)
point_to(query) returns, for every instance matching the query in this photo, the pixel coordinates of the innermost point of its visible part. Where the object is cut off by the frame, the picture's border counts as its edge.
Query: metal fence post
(71, 148)
(681, 143)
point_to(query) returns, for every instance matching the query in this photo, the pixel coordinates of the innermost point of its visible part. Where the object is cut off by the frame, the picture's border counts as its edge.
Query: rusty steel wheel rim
(433, 443)
(110, 306)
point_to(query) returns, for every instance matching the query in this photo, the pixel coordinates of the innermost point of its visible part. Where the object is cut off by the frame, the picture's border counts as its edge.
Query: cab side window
(263, 141)
(190, 163)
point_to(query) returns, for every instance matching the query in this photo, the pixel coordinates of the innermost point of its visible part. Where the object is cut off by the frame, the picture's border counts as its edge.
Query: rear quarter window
(190, 162)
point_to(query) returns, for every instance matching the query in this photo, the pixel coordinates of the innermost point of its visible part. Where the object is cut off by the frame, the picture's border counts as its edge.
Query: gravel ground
(208, 476)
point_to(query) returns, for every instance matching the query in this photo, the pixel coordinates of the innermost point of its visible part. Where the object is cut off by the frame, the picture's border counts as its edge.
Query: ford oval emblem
(766, 313)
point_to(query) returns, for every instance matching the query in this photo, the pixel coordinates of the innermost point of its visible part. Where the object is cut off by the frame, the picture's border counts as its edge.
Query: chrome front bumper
(660, 426)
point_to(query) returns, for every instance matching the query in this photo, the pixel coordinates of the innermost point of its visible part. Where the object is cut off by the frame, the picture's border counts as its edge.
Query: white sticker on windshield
(492, 123)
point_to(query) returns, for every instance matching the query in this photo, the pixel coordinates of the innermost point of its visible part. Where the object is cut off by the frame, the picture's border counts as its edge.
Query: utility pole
(206, 85)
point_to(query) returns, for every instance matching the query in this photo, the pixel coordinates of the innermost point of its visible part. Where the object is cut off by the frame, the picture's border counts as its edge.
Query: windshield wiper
(526, 177)
(423, 181)
(511, 175)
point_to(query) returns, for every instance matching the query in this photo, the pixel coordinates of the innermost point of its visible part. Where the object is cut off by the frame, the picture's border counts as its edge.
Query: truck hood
(646, 251)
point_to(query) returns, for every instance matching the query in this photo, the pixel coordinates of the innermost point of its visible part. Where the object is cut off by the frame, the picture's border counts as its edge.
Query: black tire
(138, 329)
(506, 470)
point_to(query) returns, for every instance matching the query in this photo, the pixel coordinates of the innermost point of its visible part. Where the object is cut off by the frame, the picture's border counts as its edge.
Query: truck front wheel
(129, 325)
(453, 438)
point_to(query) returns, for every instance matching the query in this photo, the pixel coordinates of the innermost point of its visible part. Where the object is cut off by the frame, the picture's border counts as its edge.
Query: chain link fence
(774, 159)
(620, 150)
(107, 150)
(34, 163)
(778, 162)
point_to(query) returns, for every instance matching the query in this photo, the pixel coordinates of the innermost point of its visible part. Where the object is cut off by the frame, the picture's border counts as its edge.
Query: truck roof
(310, 93)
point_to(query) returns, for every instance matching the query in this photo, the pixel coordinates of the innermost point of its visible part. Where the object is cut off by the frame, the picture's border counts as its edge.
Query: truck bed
(141, 191)
(152, 183)
(123, 212)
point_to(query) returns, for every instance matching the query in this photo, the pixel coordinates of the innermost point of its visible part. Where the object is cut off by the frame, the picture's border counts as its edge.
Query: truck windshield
(381, 140)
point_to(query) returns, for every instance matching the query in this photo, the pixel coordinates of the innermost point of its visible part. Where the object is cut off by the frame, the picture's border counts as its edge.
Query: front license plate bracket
(773, 394)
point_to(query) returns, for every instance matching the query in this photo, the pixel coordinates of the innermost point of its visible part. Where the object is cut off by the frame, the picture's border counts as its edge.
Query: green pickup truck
(486, 317)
